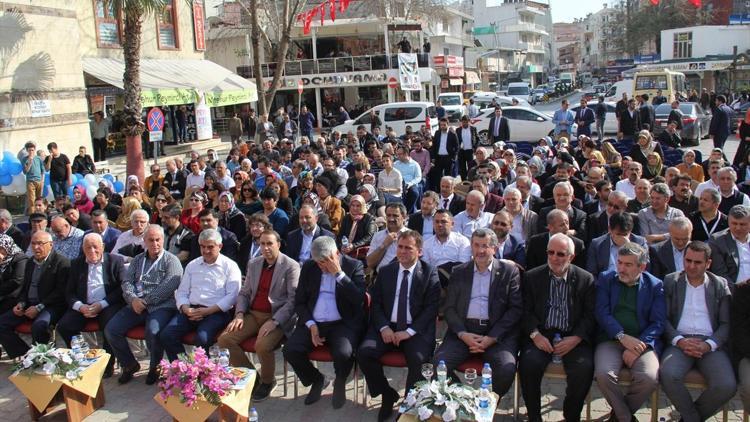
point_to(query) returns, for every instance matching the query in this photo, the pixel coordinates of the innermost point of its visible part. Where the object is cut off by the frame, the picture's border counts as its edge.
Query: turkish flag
(308, 20)
(333, 10)
(696, 3)
(343, 4)
(654, 2)
(322, 13)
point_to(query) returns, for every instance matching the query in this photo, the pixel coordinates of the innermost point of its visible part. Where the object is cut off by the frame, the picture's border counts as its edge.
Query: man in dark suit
(563, 196)
(721, 122)
(499, 130)
(647, 114)
(584, 118)
(468, 140)
(558, 298)
(697, 340)
(510, 247)
(598, 224)
(536, 246)
(405, 301)
(42, 297)
(443, 153)
(668, 256)
(100, 225)
(448, 198)
(209, 219)
(422, 221)
(725, 256)
(175, 180)
(630, 121)
(329, 302)
(299, 241)
(7, 227)
(483, 308)
(93, 291)
(602, 251)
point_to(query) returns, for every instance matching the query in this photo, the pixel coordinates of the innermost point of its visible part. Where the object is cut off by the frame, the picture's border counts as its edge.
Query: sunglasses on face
(557, 254)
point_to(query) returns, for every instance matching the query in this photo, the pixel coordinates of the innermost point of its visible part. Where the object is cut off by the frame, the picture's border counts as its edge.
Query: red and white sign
(448, 61)
(199, 20)
(300, 86)
(392, 83)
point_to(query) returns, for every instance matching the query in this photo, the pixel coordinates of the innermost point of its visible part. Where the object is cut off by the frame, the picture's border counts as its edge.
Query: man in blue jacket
(721, 122)
(631, 311)
(306, 123)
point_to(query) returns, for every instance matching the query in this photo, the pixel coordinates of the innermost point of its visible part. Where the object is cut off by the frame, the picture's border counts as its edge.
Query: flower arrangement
(445, 400)
(49, 360)
(193, 376)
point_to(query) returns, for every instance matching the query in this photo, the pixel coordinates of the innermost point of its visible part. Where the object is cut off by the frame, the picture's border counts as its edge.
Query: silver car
(695, 122)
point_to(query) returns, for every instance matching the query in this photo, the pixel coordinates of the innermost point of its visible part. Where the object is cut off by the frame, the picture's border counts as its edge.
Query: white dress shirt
(466, 139)
(743, 249)
(209, 284)
(626, 187)
(193, 180)
(377, 240)
(443, 150)
(442, 203)
(707, 184)
(695, 319)
(517, 229)
(326, 309)
(95, 292)
(456, 248)
(466, 225)
(394, 312)
(304, 251)
(479, 304)
(125, 239)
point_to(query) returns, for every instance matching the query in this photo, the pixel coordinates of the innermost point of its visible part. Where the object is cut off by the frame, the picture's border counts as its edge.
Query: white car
(610, 122)
(484, 99)
(395, 115)
(526, 124)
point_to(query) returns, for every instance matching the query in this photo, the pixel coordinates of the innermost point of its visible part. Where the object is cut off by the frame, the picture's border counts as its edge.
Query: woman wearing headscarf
(230, 217)
(12, 269)
(129, 204)
(654, 168)
(325, 185)
(189, 217)
(357, 226)
(743, 133)
(82, 202)
(645, 146)
(304, 186)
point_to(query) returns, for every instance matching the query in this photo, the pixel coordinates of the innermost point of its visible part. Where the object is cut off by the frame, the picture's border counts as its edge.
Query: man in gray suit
(667, 256)
(730, 253)
(483, 309)
(265, 309)
(697, 330)
(524, 220)
(602, 254)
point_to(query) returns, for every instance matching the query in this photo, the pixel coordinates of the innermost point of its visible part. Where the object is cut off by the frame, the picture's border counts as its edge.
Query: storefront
(712, 74)
(193, 88)
(451, 71)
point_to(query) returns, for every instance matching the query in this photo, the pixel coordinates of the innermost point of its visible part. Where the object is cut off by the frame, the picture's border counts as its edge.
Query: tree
(134, 11)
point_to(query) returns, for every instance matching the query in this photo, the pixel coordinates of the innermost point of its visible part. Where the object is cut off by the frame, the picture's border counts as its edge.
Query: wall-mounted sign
(334, 80)
(407, 71)
(199, 19)
(40, 108)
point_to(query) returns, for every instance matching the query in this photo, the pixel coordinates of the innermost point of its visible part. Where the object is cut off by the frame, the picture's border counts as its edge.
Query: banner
(408, 71)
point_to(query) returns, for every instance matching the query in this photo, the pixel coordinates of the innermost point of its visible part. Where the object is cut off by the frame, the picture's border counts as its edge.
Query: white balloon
(90, 180)
(50, 195)
(17, 185)
(91, 191)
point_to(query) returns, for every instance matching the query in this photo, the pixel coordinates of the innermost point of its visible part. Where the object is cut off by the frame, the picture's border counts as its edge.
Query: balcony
(525, 9)
(533, 48)
(331, 65)
(526, 27)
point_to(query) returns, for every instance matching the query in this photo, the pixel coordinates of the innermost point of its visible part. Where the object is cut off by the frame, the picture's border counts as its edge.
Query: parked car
(695, 121)
(599, 89)
(610, 123)
(453, 103)
(520, 90)
(539, 95)
(526, 124)
(740, 110)
(484, 99)
(395, 115)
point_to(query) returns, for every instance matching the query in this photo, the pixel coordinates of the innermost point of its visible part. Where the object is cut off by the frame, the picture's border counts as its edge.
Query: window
(402, 113)
(108, 25)
(683, 45)
(166, 24)
(651, 82)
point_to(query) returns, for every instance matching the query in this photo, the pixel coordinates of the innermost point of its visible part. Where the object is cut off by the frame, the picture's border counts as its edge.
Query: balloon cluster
(13, 181)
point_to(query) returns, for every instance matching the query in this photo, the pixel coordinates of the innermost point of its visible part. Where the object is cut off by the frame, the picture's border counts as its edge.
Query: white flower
(48, 368)
(27, 363)
(66, 358)
(411, 400)
(439, 399)
(424, 413)
(449, 414)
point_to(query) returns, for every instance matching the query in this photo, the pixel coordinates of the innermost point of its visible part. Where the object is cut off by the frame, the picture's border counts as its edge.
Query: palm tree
(134, 11)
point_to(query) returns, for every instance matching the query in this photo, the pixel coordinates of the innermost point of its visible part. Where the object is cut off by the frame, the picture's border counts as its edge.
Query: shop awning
(172, 82)
(472, 77)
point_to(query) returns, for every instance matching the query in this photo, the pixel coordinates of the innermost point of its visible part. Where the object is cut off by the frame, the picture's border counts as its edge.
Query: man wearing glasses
(42, 297)
(558, 300)
(153, 182)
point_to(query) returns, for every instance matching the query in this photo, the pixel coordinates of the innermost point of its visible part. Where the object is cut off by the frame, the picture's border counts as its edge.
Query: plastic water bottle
(487, 377)
(442, 372)
(139, 289)
(484, 405)
(555, 357)
(344, 242)
(253, 416)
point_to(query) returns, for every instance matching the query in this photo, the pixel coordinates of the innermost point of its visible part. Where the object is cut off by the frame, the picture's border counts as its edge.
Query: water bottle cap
(252, 409)
(441, 362)
(486, 365)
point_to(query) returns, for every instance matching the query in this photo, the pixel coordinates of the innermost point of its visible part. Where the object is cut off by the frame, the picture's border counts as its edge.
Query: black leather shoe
(263, 391)
(339, 393)
(152, 376)
(128, 372)
(110, 369)
(316, 390)
(390, 398)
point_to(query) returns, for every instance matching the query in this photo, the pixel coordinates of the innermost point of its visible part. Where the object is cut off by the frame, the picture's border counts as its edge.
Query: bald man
(42, 297)
(93, 291)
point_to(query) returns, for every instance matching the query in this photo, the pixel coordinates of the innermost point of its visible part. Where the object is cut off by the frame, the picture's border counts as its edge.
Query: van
(614, 93)
(671, 84)
(395, 115)
(520, 90)
(453, 103)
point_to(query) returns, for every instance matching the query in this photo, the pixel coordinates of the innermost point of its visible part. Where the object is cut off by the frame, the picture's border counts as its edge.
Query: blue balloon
(110, 178)
(14, 168)
(77, 177)
(46, 180)
(119, 186)
(9, 157)
(70, 192)
(45, 190)
(5, 179)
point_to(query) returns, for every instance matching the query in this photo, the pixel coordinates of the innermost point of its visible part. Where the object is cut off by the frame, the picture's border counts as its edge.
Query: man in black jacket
(675, 115)
(721, 122)
(93, 291)
(405, 301)
(468, 140)
(42, 297)
(557, 222)
(443, 152)
(175, 180)
(229, 246)
(558, 299)
(630, 121)
(329, 302)
(499, 130)
(309, 229)
(648, 116)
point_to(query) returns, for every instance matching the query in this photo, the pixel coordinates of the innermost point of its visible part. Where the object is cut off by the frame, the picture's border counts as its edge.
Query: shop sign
(697, 66)
(40, 108)
(647, 58)
(333, 80)
(456, 72)
(448, 61)
(218, 99)
(162, 97)
(199, 18)
(407, 72)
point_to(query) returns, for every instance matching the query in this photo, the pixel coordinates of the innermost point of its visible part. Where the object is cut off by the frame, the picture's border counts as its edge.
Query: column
(319, 110)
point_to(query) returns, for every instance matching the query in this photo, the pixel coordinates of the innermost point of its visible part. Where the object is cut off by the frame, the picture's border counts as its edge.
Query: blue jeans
(309, 134)
(40, 333)
(126, 319)
(206, 331)
(59, 187)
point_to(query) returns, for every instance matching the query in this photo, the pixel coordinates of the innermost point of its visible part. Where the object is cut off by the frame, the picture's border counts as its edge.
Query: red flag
(322, 13)
(696, 3)
(333, 10)
(654, 2)
(308, 20)
(343, 4)
(427, 122)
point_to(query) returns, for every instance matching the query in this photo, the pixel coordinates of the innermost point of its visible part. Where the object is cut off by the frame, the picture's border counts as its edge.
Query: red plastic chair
(92, 326)
(137, 333)
(391, 359)
(24, 328)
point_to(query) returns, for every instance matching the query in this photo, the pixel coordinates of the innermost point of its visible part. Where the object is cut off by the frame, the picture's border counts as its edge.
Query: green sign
(163, 97)
(483, 30)
(217, 99)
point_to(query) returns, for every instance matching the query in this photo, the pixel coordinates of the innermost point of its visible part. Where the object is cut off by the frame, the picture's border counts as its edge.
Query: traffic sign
(300, 86)
(155, 136)
(155, 120)
(392, 83)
